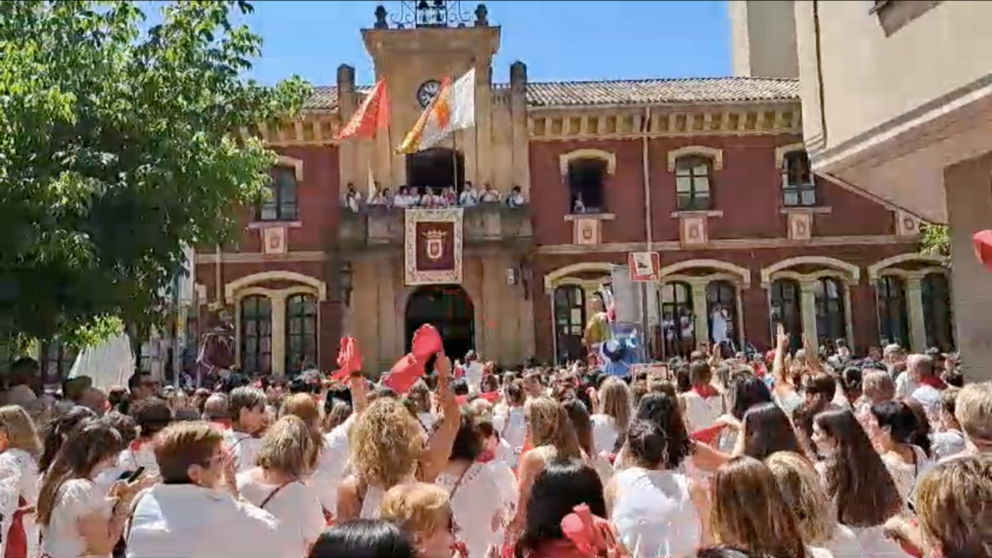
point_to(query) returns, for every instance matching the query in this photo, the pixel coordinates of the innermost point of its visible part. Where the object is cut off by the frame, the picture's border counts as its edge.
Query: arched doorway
(438, 167)
(449, 309)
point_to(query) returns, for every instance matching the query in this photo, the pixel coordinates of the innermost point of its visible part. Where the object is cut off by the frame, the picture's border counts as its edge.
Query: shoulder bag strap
(130, 514)
(272, 494)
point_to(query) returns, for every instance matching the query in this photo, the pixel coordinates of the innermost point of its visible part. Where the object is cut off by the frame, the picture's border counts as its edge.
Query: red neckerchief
(933, 381)
(486, 456)
(136, 445)
(705, 391)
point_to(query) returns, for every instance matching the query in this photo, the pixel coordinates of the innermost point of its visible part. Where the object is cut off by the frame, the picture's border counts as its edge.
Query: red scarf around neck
(933, 381)
(705, 391)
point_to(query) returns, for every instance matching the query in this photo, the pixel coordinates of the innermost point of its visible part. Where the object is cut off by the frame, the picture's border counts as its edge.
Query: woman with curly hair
(387, 447)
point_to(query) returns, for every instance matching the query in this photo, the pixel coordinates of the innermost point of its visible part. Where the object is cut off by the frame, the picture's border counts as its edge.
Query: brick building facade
(708, 172)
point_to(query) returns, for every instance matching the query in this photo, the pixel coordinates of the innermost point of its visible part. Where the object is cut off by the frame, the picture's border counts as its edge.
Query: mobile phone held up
(135, 475)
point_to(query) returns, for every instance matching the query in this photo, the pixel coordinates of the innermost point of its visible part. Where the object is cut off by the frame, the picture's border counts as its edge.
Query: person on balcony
(489, 195)
(382, 199)
(352, 199)
(450, 197)
(516, 198)
(404, 198)
(469, 196)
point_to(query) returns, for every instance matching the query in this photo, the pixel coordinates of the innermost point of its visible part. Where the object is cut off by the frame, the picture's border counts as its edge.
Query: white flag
(371, 186)
(452, 109)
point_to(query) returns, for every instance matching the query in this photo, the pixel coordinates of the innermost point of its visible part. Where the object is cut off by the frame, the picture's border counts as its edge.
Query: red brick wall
(748, 189)
(754, 301)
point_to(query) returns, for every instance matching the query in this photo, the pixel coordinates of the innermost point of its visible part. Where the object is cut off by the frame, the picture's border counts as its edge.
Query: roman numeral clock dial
(427, 91)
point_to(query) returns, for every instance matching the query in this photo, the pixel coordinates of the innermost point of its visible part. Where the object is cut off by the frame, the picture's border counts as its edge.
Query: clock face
(427, 91)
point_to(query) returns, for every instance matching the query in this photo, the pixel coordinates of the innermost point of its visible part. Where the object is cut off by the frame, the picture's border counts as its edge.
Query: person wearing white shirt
(247, 406)
(719, 327)
(197, 512)
(152, 415)
(332, 466)
(74, 516)
(516, 198)
(489, 195)
(19, 448)
(276, 484)
(403, 199)
(469, 196)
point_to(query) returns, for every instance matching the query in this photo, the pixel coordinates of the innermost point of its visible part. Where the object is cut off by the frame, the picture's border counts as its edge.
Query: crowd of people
(716, 458)
(411, 196)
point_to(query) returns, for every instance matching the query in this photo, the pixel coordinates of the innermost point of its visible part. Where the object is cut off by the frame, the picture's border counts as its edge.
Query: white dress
(296, 507)
(905, 474)
(76, 499)
(244, 447)
(478, 506)
(654, 513)
(701, 412)
(25, 479)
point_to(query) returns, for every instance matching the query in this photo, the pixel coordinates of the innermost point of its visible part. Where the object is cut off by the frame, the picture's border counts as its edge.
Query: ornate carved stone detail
(693, 230)
(800, 225)
(587, 231)
(907, 225)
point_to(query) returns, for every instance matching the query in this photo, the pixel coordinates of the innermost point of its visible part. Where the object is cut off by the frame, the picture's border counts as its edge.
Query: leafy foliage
(935, 241)
(119, 143)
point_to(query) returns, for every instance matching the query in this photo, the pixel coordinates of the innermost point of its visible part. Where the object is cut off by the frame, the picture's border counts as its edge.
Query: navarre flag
(371, 116)
(452, 109)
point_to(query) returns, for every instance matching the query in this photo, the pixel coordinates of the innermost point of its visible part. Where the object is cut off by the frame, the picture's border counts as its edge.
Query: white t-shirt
(25, 477)
(332, 464)
(76, 499)
(296, 507)
(172, 520)
(244, 447)
(844, 543)
(604, 433)
(137, 456)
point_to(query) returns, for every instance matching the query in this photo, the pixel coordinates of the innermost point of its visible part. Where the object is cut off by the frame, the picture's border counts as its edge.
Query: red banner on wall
(433, 246)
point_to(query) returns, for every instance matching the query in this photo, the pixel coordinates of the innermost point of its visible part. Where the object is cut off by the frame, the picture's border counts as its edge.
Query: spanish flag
(452, 109)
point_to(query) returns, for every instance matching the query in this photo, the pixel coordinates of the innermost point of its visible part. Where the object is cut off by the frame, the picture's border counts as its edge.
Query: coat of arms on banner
(433, 246)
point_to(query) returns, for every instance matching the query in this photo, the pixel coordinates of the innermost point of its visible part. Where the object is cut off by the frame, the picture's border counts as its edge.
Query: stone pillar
(278, 341)
(808, 304)
(347, 150)
(520, 135)
(917, 323)
(968, 187)
(702, 324)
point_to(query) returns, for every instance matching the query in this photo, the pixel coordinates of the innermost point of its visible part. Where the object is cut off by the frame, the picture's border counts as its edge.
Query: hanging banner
(433, 246)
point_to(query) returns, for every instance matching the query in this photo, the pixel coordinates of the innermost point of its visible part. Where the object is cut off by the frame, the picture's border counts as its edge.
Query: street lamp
(345, 282)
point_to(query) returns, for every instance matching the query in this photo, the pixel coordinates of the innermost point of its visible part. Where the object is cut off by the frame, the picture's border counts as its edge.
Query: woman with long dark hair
(856, 480)
(54, 433)
(75, 517)
(558, 489)
(766, 430)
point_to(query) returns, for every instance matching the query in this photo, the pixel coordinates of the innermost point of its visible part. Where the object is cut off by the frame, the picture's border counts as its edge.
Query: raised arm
(435, 457)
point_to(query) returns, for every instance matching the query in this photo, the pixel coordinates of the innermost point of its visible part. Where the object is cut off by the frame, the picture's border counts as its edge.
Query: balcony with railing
(484, 225)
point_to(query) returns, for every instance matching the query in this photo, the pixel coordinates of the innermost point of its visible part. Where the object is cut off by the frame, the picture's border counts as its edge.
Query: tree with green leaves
(935, 240)
(121, 141)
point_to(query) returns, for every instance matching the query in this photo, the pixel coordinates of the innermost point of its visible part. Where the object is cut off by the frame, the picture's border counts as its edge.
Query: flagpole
(454, 160)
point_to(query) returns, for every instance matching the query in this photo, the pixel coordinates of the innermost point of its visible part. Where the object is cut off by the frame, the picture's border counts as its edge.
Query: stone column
(917, 323)
(278, 341)
(808, 304)
(968, 187)
(702, 324)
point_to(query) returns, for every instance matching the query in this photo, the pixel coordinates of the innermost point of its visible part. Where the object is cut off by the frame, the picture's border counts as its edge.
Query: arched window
(301, 333)
(570, 322)
(721, 307)
(787, 310)
(55, 363)
(831, 311)
(798, 183)
(937, 312)
(279, 201)
(586, 185)
(693, 175)
(256, 334)
(678, 325)
(893, 317)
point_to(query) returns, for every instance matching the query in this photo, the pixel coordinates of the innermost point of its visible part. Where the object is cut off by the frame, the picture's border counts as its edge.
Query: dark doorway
(438, 167)
(449, 309)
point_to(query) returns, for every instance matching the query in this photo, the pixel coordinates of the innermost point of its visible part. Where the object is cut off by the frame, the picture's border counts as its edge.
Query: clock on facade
(427, 91)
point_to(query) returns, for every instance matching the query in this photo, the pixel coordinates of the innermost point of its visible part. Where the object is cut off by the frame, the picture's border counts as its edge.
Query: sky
(558, 40)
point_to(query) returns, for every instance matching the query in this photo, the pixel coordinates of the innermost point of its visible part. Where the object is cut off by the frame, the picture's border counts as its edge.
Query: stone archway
(450, 310)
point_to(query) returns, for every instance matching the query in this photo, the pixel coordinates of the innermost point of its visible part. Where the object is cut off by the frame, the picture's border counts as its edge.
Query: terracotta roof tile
(626, 92)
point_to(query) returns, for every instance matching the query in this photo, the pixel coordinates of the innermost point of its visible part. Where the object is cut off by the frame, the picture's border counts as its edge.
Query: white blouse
(654, 513)
(26, 481)
(477, 505)
(137, 456)
(195, 522)
(295, 506)
(244, 448)
(604, 433)
(76, 499)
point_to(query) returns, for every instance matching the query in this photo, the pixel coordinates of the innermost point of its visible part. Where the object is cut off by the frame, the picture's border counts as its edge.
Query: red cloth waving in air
(426, 342)
(349, 359)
